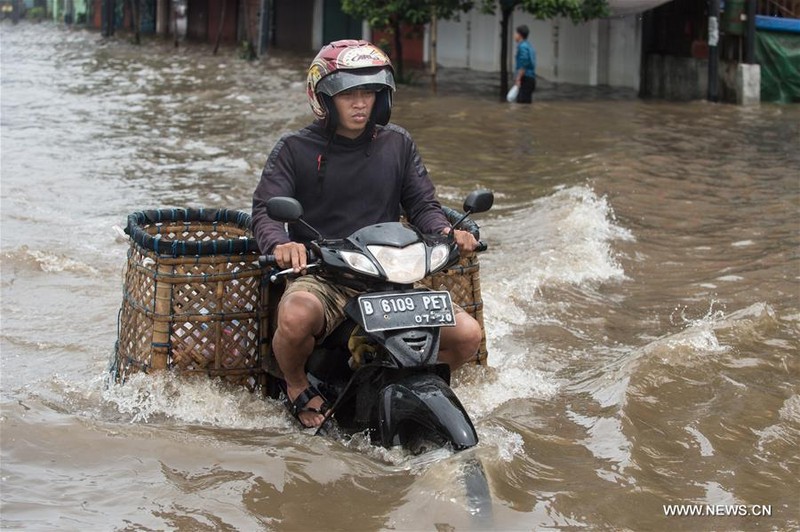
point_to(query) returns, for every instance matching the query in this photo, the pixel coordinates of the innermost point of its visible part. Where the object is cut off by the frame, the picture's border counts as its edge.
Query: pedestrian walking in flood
(524, 65)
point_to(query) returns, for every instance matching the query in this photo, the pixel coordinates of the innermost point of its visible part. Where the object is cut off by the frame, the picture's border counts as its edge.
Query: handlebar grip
(267, 260)
(270, 260)
(482, 246)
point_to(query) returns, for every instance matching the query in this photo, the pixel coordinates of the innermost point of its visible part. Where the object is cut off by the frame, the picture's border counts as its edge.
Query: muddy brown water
(641, 291)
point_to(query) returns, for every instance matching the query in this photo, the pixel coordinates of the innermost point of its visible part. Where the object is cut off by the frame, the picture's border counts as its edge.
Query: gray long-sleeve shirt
(345, 184)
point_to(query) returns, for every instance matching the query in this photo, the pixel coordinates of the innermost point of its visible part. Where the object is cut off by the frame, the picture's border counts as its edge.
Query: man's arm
(424, 210)
(276, 180)
(523, 58)
(419, 195)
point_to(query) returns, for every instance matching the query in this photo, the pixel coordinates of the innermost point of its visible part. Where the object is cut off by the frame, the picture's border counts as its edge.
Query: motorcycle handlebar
(270, 260)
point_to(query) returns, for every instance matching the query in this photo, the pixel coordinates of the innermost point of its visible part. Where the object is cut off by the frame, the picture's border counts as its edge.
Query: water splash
(193, 400)
(782, 433)
(696, 345)
(482, 390)
(506, 445)
(564, 240)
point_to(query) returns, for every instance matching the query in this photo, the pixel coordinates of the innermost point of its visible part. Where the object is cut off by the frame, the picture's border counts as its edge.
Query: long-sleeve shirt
(525, 58)
(345, 184)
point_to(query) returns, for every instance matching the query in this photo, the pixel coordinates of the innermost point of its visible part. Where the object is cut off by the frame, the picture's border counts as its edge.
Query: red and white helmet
(345, 64)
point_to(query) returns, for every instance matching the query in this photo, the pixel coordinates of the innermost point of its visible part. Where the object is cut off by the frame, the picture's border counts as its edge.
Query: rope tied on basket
(147, 228)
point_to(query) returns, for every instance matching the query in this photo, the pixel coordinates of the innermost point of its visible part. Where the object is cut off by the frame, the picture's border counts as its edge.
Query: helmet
(343, 65)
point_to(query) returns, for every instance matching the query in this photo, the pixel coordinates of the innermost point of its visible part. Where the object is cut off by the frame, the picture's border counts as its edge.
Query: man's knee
(465, 340)
(470, 334)
(300, 314)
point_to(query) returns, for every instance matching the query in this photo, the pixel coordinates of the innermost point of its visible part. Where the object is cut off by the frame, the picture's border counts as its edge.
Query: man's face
(354, 107)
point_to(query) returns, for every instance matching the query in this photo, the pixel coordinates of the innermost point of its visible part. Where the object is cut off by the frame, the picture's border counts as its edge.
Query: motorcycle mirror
(282, 209)
(288, 210)
(479, 201)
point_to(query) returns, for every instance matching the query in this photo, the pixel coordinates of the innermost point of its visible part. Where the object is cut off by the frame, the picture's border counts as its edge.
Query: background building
(656, 47)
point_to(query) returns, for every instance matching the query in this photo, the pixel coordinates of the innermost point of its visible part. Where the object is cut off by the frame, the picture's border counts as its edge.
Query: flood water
(641, 291)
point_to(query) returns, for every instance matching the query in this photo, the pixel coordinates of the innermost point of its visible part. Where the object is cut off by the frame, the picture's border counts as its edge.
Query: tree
(576, 10)
(136, 20)
(393, 14)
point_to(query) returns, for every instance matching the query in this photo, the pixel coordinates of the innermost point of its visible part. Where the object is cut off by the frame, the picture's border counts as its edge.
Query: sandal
(298, 406)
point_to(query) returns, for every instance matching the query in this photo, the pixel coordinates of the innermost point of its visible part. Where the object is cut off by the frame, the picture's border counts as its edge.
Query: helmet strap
(382, 109)
(331, 114)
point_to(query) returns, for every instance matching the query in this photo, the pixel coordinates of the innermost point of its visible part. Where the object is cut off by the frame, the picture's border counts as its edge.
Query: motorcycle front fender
(423, 402)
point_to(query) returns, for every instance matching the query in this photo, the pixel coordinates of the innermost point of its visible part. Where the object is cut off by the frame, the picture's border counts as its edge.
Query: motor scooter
(379, 370)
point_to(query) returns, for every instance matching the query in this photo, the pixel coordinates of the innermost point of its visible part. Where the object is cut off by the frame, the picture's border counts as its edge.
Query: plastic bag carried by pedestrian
(511, 97)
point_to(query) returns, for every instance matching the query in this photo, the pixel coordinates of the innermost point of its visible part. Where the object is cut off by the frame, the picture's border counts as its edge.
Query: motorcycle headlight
(439, 255)
(360, 263)
(402, 265)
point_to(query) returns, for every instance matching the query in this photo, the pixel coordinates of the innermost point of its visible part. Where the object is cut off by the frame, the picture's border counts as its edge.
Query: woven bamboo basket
(193, 297)
(464, 284)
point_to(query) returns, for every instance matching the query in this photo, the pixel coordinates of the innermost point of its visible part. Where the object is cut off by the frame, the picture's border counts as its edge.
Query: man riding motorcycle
(350, 168)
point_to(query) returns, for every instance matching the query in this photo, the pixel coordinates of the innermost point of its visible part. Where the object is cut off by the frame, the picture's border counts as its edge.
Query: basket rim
(177, 248)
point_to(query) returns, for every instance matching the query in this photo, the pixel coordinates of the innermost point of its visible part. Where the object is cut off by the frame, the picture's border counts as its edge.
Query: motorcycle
(380, 368)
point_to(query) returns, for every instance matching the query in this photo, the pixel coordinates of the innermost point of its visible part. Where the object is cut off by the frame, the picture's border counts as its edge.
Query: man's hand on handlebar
(464, 239)
(291, 255)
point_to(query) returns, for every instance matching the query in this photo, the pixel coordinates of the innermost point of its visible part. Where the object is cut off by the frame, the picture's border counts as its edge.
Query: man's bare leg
(460, 344)
(300, 318)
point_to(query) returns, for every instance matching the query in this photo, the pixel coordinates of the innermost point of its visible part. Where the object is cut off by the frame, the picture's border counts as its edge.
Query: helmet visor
(368, 79)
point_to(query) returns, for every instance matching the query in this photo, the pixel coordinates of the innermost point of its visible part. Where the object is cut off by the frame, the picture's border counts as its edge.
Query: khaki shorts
(333, 298)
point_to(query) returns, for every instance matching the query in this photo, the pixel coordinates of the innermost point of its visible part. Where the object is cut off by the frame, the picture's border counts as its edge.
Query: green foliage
(408, 78)
(247, 50)
(392, 15)
(383, 14)
(576, 10)
(380, 14)
(35, 13)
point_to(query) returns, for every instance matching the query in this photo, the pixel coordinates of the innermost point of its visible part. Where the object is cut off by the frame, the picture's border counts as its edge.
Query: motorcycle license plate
(384, 312)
